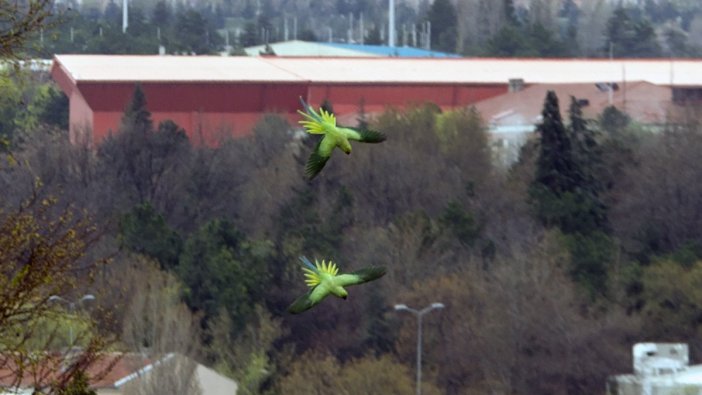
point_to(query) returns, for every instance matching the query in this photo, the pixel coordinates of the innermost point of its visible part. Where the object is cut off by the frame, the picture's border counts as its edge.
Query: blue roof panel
(384, 50)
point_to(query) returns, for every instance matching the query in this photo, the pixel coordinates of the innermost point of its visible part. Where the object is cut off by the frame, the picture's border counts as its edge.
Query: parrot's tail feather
(306, 262)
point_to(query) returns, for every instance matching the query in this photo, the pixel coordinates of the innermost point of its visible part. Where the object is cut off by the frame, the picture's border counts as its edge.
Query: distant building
(114, 372)
(659, 369)
(512, 117)
(308, 48)
(212, 96)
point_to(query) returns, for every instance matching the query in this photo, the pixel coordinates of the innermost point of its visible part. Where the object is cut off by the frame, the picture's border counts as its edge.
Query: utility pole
(391, 23)
(125, 15)
(419, 314)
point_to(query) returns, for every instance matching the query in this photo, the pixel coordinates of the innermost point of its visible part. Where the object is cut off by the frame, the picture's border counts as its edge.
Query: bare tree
(160, 327)
(478, 20)
(19, 20)
(519, 327)
(43, 252)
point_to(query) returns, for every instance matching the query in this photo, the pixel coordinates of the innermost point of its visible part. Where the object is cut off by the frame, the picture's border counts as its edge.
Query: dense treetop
(544, 28)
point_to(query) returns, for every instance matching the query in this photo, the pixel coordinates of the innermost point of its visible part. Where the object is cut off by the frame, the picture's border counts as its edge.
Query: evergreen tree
(588, 154)
(144, 231)
(566, 194)
(161, 15)
(510, 12)
(137, 117)
(614, 121)
(113, 14)
(556, 166)
(444, 25)
(192, 34)
(222, 269)
(373, 37)
(630, 37)
(138, 156)
(249, 37)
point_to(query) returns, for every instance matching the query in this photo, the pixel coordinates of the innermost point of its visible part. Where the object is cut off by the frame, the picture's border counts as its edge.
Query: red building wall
(346, 98)
(207, 111)
(210, 111)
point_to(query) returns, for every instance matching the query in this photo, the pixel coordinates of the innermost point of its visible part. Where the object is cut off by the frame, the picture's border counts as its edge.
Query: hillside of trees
(549, 270)
(544, 28)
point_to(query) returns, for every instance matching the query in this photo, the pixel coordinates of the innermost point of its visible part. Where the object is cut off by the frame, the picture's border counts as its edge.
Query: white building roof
(114, 68)
(304, 48)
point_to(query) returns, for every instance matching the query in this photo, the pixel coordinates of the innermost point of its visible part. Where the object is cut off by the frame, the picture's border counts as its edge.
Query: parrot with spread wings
(324, 122)
(324, 279)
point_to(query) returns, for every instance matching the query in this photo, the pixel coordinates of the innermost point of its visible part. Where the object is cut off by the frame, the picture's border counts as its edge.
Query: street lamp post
(71, 308)
(419, 314)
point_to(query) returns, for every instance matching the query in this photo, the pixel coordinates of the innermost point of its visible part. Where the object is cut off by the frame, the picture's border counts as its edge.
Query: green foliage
(192, 34)
(144, 231)
(373, 36)
(630, 36)
(222, 269)
(531, 40)
(305, 227)
(444, 25)
(673, 298)
(557, 173)
(323, 374)
(78, 385)
(591, 257)
(51, 107)
(566, 192)
(557, 169)
(612, 120)
(139, 158)
(461, 223)
(246, 356)
(10, 103)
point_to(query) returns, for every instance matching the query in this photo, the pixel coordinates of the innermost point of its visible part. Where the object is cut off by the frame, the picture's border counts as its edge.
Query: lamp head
(88, 297)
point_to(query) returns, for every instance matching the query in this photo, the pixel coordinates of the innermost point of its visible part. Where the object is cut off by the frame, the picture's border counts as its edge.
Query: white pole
(360, 27)
(419, 314)
(391, 23)
(295, 28)
(125, 15)
(419, 353)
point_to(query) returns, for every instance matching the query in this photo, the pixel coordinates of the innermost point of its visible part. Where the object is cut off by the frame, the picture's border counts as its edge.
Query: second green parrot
(324, 280)
(324, 122)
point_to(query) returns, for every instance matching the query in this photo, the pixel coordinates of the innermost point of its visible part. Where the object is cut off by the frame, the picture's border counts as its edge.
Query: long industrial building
(212, 97)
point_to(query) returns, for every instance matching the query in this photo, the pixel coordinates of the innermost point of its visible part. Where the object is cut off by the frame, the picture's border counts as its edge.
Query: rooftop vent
(606, 86)
(516, 84)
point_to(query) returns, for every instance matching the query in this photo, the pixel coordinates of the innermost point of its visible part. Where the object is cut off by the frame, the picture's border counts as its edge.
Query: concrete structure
(659, 369)
(113, 373)
(215, 96)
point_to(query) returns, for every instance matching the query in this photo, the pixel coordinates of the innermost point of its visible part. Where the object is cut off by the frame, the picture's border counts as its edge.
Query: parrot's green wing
(319, 157)
(308, 300)
(362, 135)
(360, 276)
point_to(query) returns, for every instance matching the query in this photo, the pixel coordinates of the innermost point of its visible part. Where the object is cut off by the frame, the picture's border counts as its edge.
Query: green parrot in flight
(323, 280)
(324, 122)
